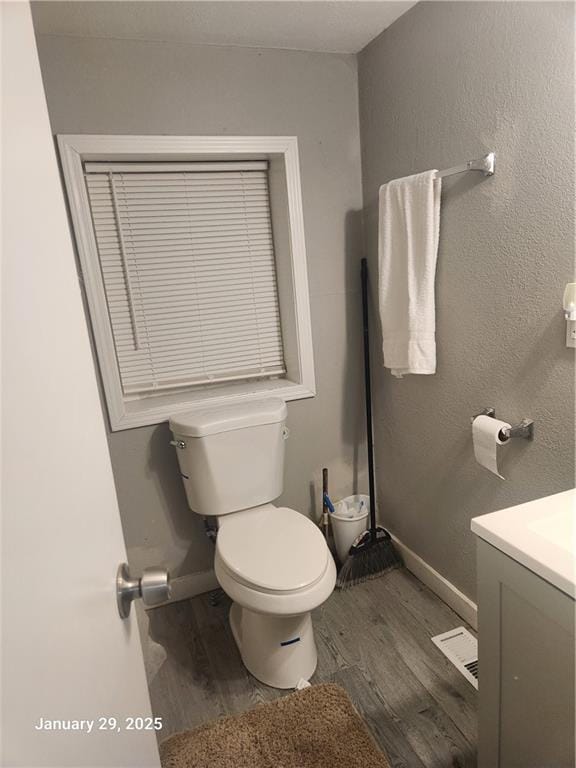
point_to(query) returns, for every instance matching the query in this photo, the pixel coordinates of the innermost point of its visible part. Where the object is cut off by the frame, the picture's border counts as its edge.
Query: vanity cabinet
(526, 666)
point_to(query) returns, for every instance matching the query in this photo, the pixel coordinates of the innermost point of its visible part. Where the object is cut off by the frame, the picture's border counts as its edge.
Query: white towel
(409, 226)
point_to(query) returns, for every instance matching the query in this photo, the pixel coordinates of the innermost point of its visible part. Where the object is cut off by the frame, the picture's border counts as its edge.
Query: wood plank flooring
(373, 639)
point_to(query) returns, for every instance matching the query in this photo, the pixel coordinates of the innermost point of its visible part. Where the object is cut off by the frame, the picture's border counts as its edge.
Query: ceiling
(338, 26)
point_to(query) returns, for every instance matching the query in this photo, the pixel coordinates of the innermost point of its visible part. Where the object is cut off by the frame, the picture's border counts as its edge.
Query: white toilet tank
(232, 456)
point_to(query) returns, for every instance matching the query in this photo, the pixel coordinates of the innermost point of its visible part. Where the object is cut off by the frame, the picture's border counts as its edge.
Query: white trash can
(349, 520)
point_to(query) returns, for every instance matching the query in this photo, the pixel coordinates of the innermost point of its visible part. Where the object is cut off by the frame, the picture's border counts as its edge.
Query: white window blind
(187, 261)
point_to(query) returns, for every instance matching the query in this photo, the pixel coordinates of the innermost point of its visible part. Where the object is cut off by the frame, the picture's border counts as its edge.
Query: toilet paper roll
(486, 439)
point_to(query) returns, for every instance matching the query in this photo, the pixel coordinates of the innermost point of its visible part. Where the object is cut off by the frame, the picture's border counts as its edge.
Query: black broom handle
(369, 439)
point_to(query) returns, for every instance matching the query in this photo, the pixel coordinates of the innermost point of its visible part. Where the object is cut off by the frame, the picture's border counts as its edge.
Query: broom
(373, 553)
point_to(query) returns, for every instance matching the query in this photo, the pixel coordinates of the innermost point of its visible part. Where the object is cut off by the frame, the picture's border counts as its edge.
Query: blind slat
(176, 384)
(220, 334)
(191, 350)
(154, 270)
(212, 253)
(184, 361)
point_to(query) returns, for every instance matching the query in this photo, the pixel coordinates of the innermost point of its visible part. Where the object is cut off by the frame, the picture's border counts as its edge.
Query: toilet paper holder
(525, 429)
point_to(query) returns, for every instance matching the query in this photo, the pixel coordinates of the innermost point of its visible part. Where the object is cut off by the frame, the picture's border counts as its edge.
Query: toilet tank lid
(211, 420)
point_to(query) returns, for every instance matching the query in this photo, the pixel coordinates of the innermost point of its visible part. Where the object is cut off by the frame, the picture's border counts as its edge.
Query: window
(194, 267)
(187, 261)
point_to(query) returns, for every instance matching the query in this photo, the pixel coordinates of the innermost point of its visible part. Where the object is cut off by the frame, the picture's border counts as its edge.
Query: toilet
(272, 561)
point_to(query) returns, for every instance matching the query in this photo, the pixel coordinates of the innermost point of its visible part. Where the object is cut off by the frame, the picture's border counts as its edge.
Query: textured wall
(120, 86)
(447, 82)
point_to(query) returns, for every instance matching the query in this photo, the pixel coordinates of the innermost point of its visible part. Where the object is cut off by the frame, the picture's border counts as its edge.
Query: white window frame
(282, 153)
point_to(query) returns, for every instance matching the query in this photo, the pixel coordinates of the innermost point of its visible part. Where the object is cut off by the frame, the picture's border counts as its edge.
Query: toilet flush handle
(178, 444)
(153, 587)
(285, 433)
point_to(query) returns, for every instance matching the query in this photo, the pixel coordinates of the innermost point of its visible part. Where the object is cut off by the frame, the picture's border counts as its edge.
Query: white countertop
(540, 535)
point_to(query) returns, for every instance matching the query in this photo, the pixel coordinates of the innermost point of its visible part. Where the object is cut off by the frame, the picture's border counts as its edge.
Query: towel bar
(486, 164)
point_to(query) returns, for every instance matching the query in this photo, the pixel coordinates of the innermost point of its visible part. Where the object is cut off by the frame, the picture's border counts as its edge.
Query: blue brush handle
(328, 503)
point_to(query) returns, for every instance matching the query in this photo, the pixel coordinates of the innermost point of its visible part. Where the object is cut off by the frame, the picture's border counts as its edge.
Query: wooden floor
(373, 639)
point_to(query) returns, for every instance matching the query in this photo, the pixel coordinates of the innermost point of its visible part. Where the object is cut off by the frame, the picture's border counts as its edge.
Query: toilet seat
(273, 560)
(272, 549)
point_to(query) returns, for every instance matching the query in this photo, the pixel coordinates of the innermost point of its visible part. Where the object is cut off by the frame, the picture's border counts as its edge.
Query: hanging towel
(409, 226)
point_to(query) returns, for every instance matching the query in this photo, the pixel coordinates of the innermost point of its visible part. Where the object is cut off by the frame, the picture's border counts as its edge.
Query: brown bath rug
(314, 728)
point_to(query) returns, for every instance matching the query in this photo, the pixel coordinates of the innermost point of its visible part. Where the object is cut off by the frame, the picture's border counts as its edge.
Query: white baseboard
(446, 591)
(191, 585)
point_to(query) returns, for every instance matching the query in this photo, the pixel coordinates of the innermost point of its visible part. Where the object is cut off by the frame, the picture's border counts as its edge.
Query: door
(66, 654)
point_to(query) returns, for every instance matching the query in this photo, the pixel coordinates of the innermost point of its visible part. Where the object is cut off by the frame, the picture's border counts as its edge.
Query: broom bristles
(369, 559)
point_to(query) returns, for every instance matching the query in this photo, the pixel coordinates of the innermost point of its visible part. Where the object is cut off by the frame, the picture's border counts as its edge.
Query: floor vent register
(461, 647)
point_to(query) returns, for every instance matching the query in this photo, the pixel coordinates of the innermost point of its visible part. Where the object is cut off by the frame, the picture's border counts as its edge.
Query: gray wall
(121, 86)
(447, 82)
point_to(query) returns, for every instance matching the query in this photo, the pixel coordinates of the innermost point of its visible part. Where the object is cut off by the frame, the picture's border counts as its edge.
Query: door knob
(153, 587)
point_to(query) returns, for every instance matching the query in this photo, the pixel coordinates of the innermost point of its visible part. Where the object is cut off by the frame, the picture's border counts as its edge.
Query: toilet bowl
(272, 561)
(274, 564)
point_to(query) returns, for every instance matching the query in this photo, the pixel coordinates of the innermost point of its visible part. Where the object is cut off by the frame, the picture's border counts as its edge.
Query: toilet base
(278, 650)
